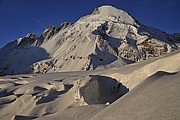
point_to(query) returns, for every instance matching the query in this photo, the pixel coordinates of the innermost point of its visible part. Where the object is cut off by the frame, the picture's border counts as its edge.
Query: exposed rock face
(96, 11)
(106, 37)
(48, 33)
(63, 26)
(29, 40)
(51, 31)
(175, 37)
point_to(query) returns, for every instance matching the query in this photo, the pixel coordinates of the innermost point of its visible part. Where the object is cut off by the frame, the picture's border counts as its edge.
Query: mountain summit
(106, 38)
(109, 13)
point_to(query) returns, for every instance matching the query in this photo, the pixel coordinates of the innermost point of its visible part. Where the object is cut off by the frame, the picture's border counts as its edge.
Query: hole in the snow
(102, 90)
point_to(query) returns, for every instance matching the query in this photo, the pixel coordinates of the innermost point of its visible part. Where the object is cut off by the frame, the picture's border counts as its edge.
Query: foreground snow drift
(144, 90)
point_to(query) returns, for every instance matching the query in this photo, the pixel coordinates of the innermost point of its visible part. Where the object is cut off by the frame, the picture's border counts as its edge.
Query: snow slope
(144, 90)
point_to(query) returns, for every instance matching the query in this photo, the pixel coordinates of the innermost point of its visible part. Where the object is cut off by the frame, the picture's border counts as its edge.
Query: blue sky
(19, 17)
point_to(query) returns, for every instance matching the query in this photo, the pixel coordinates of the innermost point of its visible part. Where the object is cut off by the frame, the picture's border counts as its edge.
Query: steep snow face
(107, 37)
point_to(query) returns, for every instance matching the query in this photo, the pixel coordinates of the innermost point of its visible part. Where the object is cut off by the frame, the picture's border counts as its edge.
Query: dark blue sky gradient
(19, 17)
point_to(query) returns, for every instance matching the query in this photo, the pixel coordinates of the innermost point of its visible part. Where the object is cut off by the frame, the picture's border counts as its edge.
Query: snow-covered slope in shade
(107, 37)
(17, 56)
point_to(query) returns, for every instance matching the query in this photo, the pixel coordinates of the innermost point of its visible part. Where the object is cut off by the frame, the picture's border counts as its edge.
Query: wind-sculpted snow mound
(45, 95)
(157, 97)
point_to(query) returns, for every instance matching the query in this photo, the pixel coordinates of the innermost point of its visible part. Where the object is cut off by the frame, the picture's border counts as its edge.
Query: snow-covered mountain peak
(108, 37)
(115, 14)
(109, 13)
